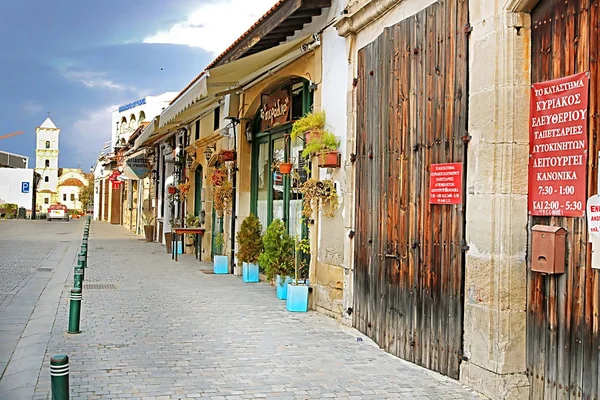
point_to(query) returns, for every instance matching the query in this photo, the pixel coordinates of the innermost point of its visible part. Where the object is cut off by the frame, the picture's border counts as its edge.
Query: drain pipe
(234, 121)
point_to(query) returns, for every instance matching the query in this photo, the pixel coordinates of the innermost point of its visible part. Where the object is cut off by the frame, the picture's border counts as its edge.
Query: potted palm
(221, 261)
(278, 256)
(148, 219)
(251, 246)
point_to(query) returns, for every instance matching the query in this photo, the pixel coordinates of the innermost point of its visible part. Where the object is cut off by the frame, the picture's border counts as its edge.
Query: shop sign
(132, 105)
(275, 109)
(114, 179)
(558, 146)
(137, 167)
(593, 223)
(445, 183)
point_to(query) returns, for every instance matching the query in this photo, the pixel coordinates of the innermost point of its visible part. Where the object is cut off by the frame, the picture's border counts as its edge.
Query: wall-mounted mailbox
(548, 245)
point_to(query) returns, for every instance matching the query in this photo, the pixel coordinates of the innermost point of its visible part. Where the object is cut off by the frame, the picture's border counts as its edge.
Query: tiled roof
(72, 182)
(220, 56)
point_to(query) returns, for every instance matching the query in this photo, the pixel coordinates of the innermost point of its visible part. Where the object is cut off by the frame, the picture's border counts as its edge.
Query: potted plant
(311, 126)
(226, 155)
(221, 261)
(219, 176)
(325, 146)
(285, 167)
(319, 194)
(251, 246)
(278, 256)
(297, 290)
(222, 196)
(148, 219)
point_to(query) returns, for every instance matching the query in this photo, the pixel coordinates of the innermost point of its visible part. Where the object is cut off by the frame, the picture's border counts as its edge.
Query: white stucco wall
(11, 180)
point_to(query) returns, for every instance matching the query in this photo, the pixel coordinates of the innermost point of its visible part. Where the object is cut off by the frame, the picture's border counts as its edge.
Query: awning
(219, 80)
(136, 166)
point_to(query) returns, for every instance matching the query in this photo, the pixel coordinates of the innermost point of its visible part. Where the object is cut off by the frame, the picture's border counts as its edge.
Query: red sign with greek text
(445, 183)
(558, 146)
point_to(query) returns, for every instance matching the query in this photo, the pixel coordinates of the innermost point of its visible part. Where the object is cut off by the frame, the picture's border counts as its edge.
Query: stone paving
(166, 330)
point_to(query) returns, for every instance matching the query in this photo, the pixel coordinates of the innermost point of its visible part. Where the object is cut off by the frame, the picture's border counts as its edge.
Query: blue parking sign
(24, 187)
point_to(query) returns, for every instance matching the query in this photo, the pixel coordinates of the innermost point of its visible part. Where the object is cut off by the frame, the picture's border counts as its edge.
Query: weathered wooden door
(563, 339)
(107, 185)
(409, 264)
(116, 205)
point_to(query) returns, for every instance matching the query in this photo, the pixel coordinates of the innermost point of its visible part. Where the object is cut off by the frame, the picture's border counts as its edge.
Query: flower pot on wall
(149, 233)
(282, 286)
(221, 265)
(250, 273)
(297, 298)
(227, 155)
(285, 168)
(331, 159)
(310, 135)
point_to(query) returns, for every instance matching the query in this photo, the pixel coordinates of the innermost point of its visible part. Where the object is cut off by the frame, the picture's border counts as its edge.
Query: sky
(81, 59)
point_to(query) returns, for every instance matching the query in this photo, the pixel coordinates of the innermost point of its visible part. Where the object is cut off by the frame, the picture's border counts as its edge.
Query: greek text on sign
(558, 146)
(445, 184)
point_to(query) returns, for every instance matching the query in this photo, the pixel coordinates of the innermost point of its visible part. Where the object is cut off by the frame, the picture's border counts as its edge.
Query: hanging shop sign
(137, 167)
(114, 179)
(275, 108)
(558, 146)
(445, 183)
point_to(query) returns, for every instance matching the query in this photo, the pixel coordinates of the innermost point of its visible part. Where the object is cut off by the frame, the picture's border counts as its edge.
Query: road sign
(24, 187)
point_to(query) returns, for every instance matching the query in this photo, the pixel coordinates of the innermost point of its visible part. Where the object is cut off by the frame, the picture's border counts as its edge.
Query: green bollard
(59, 377)
(78, 277)
(82, 261)
(74, 310)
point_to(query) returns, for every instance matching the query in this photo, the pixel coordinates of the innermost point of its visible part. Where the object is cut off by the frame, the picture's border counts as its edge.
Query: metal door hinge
(464, 246)
(468, 28)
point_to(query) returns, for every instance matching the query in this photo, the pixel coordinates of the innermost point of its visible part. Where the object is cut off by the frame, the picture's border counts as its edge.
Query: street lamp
(208, 152)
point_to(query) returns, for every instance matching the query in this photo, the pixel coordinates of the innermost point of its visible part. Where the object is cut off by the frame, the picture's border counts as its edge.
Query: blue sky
(80, 59)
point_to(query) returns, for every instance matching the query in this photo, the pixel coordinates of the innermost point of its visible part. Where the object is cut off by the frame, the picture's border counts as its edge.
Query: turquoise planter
(221, 265)
(250, 273)
(282, 287)
(297, 298)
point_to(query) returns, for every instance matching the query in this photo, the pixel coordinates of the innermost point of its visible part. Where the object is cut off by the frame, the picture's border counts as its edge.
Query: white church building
(56, 185)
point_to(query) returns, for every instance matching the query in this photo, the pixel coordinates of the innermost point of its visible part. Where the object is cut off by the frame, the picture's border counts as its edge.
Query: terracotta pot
(331, 159)
(168, 241)
(309, 135)
(285, 168)
(149, 232)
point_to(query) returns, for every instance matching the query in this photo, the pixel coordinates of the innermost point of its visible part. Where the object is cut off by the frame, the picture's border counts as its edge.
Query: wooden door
(409, 262)
(106, 199)
(116, 206)
(563, 342)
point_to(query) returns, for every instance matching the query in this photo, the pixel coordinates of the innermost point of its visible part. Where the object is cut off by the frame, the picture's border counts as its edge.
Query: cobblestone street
(154, 329)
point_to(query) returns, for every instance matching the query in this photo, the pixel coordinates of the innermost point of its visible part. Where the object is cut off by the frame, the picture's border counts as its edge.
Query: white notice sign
(593, 222)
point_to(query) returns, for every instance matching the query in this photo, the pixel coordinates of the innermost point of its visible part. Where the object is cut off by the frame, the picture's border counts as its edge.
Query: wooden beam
(311, 4)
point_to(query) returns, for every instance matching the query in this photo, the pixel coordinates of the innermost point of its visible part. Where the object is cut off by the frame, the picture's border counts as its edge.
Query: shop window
(46, 179)
(72, 197)
(47, 144)
(46, 200)
(64, 197)
(217, 118)
(47, 163)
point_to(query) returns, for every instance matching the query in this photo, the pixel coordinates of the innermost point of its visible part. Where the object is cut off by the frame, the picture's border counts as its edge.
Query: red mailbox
(548, 245)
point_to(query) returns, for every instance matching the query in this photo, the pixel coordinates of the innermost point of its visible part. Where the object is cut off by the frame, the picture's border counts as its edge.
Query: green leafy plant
(219, 242)
(323, 143)
(319, 195)
(278, 255)
(148, 218)
(192, 221)
(250, 240)
(312, 122)
(302, 253)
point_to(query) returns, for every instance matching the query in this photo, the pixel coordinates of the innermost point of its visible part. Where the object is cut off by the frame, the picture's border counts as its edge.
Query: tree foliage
(86, 195)
(278, 255)
(250, 240)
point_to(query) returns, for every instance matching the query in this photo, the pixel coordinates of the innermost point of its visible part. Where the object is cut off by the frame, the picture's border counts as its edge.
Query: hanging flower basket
(285, 168)
(227, 155)
(218, 177)
(330, 159)
(171, 190)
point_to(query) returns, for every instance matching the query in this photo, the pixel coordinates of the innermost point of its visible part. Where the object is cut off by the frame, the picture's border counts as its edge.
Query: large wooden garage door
(563, 343)
(409, 264)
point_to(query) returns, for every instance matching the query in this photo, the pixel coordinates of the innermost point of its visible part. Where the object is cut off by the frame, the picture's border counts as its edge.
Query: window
(47, 144)
(46, 179)
(46, 201)
(47, 163)
(142, 117)
(72, 196)
(217, 118)
(64, 197)
(197, 130)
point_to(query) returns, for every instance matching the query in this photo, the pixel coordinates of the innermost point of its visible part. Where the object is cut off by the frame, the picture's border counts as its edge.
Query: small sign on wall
(445, 184)
(593, 223)
(24, 187)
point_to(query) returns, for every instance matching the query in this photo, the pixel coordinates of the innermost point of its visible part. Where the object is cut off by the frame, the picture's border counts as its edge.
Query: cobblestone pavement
(166, 330)
(35, 260)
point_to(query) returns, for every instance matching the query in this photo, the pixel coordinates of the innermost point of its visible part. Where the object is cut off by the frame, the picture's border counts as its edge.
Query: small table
(179, 234)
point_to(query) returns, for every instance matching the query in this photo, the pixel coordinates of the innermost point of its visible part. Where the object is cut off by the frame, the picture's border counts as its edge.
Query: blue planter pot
(282, 287)
(250, 273)
(297, 298)
(221, 265)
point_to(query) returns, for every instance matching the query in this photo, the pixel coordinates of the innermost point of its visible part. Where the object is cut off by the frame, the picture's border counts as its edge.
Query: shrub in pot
(278, 256)
(251, 246)
(221, 261)
(148, 219)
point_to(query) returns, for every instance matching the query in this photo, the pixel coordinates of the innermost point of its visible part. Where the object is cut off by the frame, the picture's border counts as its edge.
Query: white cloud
(214, 26)
(32, 108)
(87, 135)
(93, 79)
